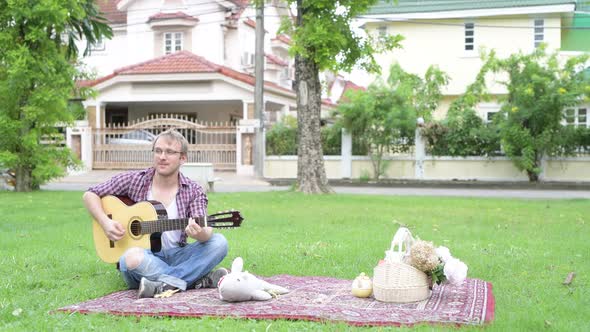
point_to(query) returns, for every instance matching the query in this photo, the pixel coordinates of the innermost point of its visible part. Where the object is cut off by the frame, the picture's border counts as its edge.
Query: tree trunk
(534, 177)
(311, 174)
(23, 179)
(23, 173)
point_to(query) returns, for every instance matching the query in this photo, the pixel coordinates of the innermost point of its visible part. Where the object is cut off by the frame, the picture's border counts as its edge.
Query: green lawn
(524, 247)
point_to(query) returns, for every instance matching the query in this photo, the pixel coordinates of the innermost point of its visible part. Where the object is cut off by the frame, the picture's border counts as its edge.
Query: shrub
(281, 139)
(462, 133)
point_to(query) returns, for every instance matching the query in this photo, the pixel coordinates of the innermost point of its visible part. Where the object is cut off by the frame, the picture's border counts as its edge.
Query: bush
(281, 140)
(572, 141)
(462, 134)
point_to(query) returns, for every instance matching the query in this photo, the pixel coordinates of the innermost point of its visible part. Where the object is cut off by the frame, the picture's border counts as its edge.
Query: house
(450, 34)
(187, 64)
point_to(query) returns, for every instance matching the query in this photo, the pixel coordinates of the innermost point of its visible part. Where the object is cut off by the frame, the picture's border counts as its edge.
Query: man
(177, 265)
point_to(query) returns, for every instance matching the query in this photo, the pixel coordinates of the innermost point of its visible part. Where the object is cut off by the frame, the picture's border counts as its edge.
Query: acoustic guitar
(144, 222)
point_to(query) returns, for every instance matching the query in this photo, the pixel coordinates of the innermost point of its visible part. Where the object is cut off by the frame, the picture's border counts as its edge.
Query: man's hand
(197, 232)
(114, 230)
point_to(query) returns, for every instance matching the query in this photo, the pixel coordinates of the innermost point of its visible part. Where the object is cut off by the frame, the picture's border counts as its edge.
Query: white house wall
(208, 34)
(441, 42)
(104, 62)
(174, 91)
(141, 41)
(232, 48)
(203, 110)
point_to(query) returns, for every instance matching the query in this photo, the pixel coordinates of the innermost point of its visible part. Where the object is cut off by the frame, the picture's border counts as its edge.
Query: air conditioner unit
(247, 59)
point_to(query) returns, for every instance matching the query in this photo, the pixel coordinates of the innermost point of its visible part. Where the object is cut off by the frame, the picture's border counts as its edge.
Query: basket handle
(402, 238)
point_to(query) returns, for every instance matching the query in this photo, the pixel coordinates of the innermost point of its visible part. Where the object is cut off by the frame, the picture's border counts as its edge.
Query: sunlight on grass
(525, 248)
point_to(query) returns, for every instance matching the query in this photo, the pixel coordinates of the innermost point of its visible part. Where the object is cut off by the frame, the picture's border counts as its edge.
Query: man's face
(167, 156)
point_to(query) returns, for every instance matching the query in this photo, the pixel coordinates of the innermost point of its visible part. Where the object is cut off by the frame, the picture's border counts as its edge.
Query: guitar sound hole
(135, 227)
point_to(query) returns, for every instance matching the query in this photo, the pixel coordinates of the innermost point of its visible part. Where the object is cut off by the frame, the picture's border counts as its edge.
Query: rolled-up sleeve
(198, 205)
(117, 185)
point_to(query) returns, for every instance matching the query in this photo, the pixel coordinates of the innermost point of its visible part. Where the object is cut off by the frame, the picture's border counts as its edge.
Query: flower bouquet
(437, 263)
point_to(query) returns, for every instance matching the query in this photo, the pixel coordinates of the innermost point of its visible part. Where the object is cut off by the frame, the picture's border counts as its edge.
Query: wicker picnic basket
(396, 281)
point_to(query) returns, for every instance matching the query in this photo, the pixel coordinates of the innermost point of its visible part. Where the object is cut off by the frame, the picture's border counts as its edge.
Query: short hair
(175, 136)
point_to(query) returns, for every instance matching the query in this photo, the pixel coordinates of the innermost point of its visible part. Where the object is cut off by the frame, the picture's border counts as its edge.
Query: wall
(441, 42)
(440, 168)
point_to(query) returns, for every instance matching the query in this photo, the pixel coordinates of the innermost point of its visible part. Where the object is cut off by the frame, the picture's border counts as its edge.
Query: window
(488, 111)
(382, 31)
(577, 117)
(172, 42)
(539, 32)
(469, 36)
(490, 116)
(98, 46)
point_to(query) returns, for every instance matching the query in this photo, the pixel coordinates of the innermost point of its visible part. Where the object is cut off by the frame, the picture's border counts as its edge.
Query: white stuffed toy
(240, 286)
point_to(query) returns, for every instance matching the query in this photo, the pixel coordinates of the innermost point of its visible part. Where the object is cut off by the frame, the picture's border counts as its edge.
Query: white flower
(443, 253)
(455, 271)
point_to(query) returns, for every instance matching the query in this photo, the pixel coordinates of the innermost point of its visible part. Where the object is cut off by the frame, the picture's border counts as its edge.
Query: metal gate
(129, 146)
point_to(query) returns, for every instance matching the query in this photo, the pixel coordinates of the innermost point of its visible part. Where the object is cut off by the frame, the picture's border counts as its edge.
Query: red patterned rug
(314, 299)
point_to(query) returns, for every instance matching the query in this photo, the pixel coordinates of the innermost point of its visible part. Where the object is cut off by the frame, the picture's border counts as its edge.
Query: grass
(524, 247)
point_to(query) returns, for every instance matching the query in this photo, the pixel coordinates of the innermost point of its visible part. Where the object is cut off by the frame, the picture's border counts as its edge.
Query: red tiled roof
(250, 22)
(110, 12)
(349, 86)
(240, 2)
(167, 16)
(180, 62)
(276, 60)
(241, 6)
(284, 38)
(328, 102)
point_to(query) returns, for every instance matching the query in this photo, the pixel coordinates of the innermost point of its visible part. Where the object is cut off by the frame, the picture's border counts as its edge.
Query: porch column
(79, 140)
(99, 114)
(346, 155)
(420, 151)
(284, 112)
(244, 110)
(245, 141)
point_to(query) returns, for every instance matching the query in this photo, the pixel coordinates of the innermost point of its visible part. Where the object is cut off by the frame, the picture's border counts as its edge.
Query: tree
(323, 39)
(37, 78)
(540, 87)
(385, 115)
(463, 132)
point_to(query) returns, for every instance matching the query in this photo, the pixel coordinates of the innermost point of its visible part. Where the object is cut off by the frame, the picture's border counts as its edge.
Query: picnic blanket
(313, 299)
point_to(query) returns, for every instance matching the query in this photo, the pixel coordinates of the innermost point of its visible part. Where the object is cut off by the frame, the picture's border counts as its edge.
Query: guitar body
(143, 222)
(130, 215)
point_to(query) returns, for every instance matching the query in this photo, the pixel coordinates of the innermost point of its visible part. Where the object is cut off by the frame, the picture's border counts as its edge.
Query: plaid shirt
(190, 198)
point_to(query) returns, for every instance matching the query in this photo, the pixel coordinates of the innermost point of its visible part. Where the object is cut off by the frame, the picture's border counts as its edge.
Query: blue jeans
(179, 267)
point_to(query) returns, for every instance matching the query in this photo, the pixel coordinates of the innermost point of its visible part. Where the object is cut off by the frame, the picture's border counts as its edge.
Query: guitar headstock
(225, 219)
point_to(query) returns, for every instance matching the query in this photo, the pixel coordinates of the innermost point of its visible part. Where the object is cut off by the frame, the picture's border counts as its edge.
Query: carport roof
(180, 62)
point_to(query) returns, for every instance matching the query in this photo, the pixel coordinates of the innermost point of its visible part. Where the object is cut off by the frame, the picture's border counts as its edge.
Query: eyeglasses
(167, 152)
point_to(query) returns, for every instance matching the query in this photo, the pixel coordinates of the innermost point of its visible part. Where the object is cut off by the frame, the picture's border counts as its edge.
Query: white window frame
(248, 59)
(469, 33)
(579, 120)
(538, 31)
(176, 39)
(489, 116)
(488, 110)
(382, 31)
(99, 46)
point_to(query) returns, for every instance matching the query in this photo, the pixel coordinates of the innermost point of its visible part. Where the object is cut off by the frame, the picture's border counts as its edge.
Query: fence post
(346, 155)
(419, 150)
(79, 139)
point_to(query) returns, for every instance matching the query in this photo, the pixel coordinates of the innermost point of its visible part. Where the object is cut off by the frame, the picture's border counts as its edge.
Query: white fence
(422, 167)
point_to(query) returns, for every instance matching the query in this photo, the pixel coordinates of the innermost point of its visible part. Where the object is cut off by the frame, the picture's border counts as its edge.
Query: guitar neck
(164, 225)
